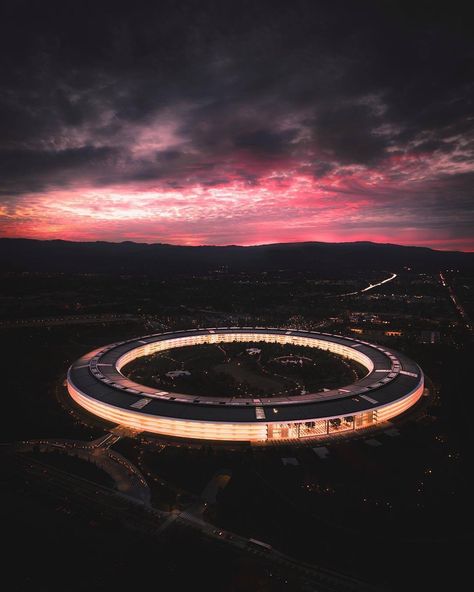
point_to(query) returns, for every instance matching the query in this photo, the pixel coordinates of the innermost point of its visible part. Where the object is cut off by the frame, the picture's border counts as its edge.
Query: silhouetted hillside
(162, 259)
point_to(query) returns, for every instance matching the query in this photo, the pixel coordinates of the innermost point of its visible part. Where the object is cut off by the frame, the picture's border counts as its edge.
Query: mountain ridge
(56, 255)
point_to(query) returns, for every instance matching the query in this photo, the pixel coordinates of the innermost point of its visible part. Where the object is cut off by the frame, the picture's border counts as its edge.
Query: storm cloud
(237, 122)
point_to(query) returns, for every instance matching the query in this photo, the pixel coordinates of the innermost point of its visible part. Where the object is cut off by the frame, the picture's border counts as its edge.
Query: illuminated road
(460, 309)
(371, 286)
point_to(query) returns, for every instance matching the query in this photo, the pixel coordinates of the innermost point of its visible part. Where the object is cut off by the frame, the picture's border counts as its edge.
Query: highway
(459, 308)
(370, 286)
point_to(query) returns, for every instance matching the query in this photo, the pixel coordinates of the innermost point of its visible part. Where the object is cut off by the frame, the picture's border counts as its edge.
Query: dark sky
(237, 122)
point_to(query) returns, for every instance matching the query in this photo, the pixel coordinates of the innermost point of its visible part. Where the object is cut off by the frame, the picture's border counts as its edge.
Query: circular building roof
(96, 377)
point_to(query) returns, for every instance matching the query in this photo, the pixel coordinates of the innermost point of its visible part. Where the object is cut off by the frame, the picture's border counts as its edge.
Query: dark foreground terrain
(391, 510)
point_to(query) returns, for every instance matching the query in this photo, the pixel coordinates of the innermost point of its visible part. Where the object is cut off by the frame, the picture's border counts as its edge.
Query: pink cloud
(283, 206)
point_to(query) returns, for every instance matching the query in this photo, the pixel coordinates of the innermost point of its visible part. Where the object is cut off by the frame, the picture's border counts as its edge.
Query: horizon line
(242, 246)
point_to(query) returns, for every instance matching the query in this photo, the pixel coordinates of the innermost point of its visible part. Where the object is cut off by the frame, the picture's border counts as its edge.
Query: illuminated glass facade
(93, 380)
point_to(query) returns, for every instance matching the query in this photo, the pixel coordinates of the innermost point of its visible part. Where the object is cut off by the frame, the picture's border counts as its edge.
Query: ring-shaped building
(393, 384)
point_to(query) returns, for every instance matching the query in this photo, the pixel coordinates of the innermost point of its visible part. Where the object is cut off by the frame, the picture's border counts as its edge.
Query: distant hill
(162, 259)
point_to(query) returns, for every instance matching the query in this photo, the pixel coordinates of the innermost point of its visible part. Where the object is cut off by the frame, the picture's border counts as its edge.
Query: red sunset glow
(256, 135)
(283, 206)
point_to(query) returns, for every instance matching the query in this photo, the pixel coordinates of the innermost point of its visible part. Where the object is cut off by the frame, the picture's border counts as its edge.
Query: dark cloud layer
(176, 95)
